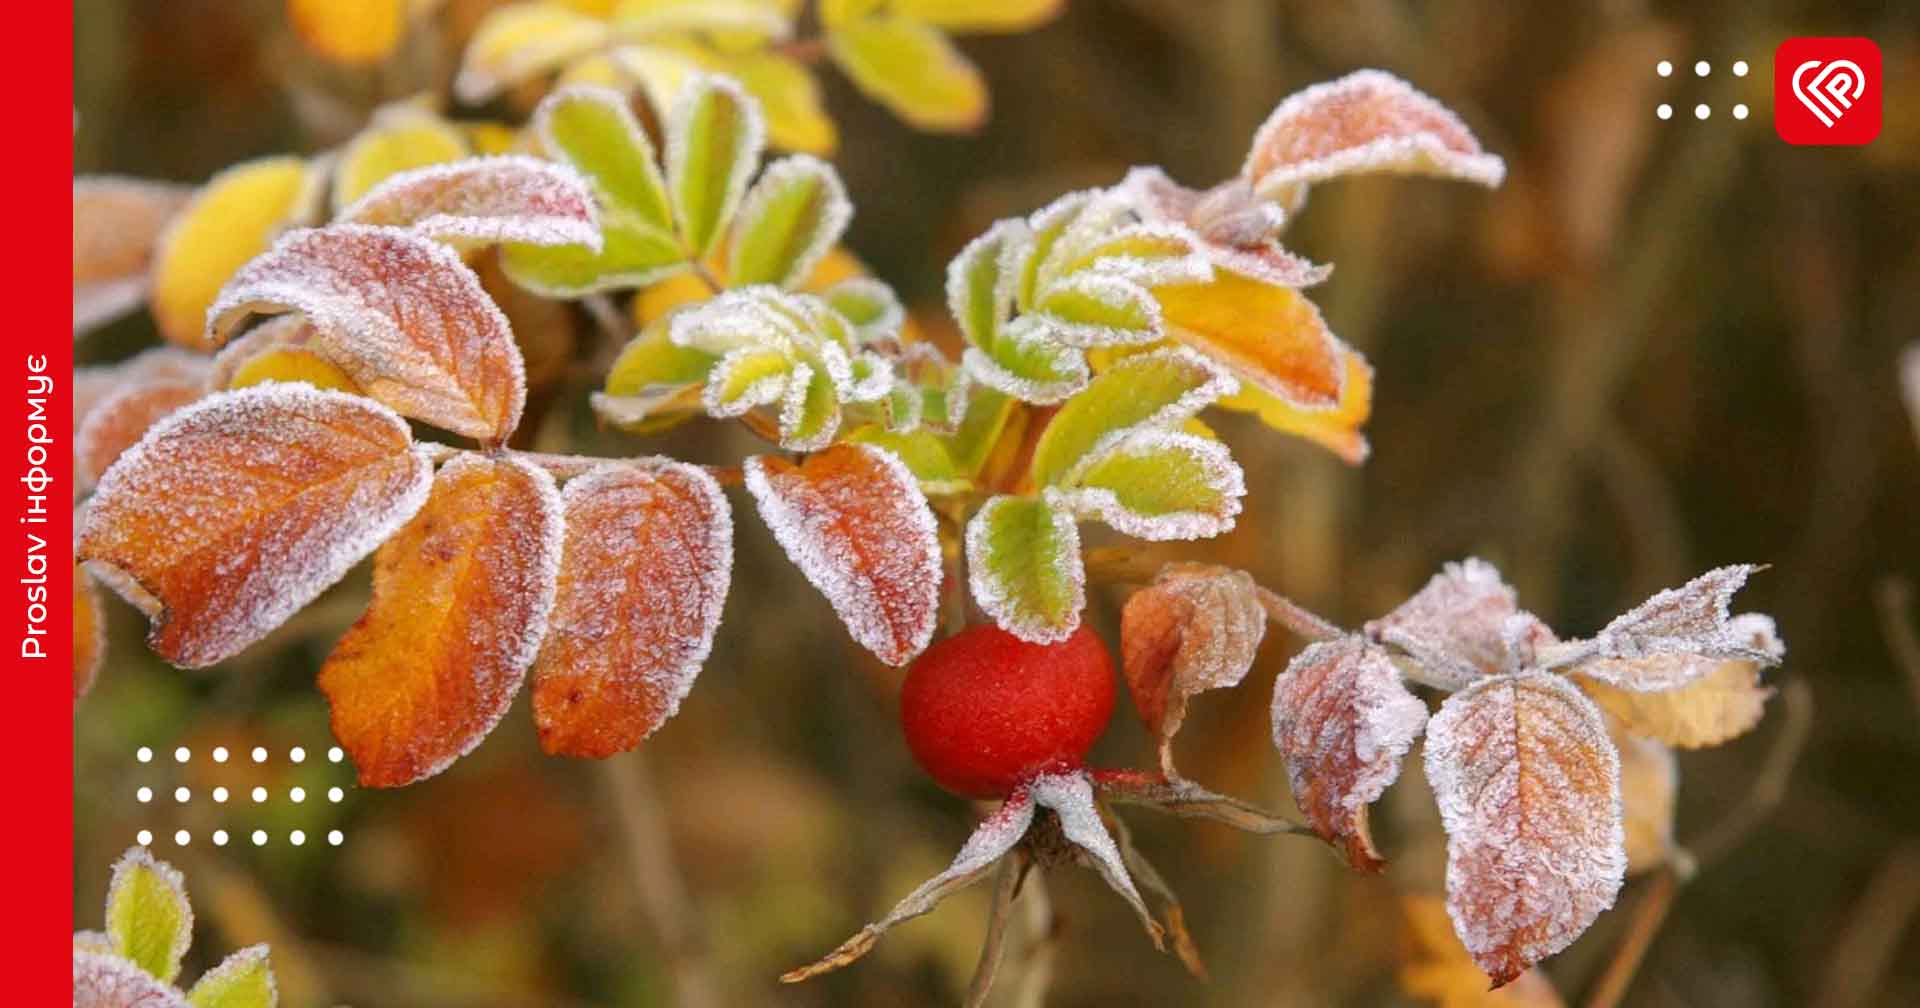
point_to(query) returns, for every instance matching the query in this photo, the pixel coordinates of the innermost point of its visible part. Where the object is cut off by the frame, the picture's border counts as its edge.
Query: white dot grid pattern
(259, 838)
(335, 794)
(259, 795)
(182, 795)
(144, 795)
(296, 838)
(336, 838)
(220, 754)
(1739, 111)
(1665, 111)
(144, 837)
(220, 794)
(1701, 111)
(182, 837)
(297, 795)
(1739, 68)
(1702, 68)
(259, 754)
(182, 754)
(143, 754)
(219, 838)
(1664, 68)
(297, 754)
(336, 754)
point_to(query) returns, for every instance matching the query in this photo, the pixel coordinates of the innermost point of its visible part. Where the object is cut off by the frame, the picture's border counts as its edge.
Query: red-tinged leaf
(101, 980)
(121, 419)
(232, 514)
(461, 597)
(486, 200)
(116, 223)
(1271, 336)
(1195, 628)
(400, 314)
(1343, 721)
(1466, 623)
(1367, 121)
(643, 577)
(1529, 791)
(93, 385)
(853, 519)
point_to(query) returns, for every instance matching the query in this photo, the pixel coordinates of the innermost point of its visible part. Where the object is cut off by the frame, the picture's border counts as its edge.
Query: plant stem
(662, 895)
(1648, 915)
(1893, 596)
(1006, 887)
(1296, 617)
(1796, 701)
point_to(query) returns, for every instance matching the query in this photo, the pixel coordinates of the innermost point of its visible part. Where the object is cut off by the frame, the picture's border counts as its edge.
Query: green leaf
(912, 69)
(1028, 364)
(810, 416)
(987, 413)
(243, 980)
(714, 137)
(924, 454)
(652, 362)
(1157, 484)
(1023, 557)
(870, 305)
(1160, 389)
(148, 917)
(980, 281)
(1046, 226)
(595, 131)
(790, 218)
(632, 254)
(1092, 310)
(745, 378)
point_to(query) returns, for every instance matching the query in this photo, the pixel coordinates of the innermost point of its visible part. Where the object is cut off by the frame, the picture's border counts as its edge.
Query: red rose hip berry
(984, 710)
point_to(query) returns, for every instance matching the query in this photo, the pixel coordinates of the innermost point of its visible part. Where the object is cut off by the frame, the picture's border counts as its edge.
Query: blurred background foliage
(1662, 346)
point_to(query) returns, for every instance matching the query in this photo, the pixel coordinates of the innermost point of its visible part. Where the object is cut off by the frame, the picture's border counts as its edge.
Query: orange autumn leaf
(1196, 628)
(461, 597)
(853, 519)
(121, 419)
(234, 513)
(401, 314)
(1343, 720)
(353, 32)
(1272, 337)
(1436, 969)
(643, 576)
(89, 632)
(1336, 429)
(116, 224)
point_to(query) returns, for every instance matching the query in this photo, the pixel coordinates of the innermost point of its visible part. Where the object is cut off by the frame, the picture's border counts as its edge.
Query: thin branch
(662, 895)
(1006, 887)
(1648, 915)
(1796, 702)
(1893, 596)
(1043, 937)
(1868, 945)
(1302, 621)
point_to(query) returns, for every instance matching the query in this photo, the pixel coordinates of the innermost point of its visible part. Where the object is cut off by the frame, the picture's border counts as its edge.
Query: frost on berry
(1367, 121)
(643, 576)
(486, 200)
(1343, 721)
(1195, 628)
(108, 981)
(1466, 623)
(1070, 797)
(400, 314)
(121, 419)
(461, 596)
(1719, 704)
(117, 222)
(234, 513)
(991, 840)
(855, 522)
(1529, 791)
(1678, 635)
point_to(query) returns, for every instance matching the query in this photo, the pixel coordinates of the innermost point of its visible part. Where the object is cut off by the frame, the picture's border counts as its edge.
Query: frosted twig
(1006, 887)
(1296, 617)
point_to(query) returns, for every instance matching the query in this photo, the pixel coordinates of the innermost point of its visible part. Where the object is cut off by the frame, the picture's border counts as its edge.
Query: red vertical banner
(36, 366)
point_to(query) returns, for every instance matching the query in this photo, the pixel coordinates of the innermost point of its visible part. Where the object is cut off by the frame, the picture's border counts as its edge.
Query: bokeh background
(1662, 346)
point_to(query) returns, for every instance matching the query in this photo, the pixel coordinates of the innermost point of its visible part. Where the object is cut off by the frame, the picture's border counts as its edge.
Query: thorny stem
(1648, 915)
(1006, 887)
(663, 899)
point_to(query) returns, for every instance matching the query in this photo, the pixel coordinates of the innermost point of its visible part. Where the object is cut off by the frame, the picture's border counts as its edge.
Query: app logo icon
(1826, 91)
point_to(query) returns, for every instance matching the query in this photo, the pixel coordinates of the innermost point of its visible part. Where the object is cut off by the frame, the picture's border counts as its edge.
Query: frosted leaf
(810, 412)
(234, 513)
(1099, 217)
(643, 577)
(991, 840)
(242, 980)
(1196, 628)
(1649, 781)
(1024, 568)
(1237, 230)
(400, 314)
(855, 522)
(461, 597)
(1272, 337)
(981, 281)
(94, 384)
(1648, 648)
(1028, 365)
(746, 377)
(1041, 233)
(89, 632)
(93, 941)
(1457, 628)
(1161, 389)
(794, 213)
(714, 138)
(735, 319)
(149, 920)
(1150, 255)
(1343, 721)
(1184, 798)
(872, 307)
(1091, 309)
(1367, 121)
(1070, 797)
(108, 981)
(517, 42)
(1157, 485)
(486, 200)
(1721, 703)
(663, 17)
(117, 222)
(121, 419)
(870, 380)
(1434, 967)
(1529, 791)
(281, 332)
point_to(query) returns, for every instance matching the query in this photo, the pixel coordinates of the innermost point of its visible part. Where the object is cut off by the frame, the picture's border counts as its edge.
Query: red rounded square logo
(1826, 91)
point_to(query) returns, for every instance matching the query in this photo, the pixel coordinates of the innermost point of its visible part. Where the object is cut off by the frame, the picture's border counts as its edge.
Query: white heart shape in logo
(1832, 90)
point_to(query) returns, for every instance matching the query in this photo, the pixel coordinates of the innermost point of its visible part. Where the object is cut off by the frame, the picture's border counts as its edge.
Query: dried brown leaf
(1195, 628)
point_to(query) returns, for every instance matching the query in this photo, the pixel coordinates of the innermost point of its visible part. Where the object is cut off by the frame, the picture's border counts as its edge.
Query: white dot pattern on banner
(144, 837)
(183, 838)
(219, 754)
(1664, 68)
(259, 838)
(296, 838)
(182, 754)
(182, 795)
(1665, 111)
(336, 838)
(143, 754)
(144, 795)
(219, 838)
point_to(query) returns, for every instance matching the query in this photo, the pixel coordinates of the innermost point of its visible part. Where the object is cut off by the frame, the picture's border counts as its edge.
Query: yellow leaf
(520, 41)
(1336, 429)
(1435, 967)
(289, 364)
(401, 143)
(492, 138)
(349, 31)
(1719, 706)
(1271, 336)
(981, 15)
(232, 220)
(789, 97)
(1649, 779)
(913, 70)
